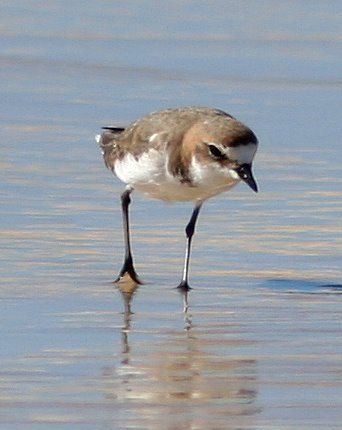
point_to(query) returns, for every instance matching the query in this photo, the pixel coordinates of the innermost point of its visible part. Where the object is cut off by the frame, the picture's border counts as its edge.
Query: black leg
(189, 230)
(128, 266)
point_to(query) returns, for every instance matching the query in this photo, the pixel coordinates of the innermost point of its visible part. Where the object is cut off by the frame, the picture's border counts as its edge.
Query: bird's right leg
(128, 266)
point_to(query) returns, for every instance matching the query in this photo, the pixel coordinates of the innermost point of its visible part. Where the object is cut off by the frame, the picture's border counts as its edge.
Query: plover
(183, 154)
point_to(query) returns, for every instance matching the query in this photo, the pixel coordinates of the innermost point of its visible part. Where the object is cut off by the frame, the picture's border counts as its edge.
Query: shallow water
(261, 345)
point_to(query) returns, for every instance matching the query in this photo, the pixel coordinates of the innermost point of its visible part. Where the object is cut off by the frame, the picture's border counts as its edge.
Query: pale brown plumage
(174, 127)
(184, 154)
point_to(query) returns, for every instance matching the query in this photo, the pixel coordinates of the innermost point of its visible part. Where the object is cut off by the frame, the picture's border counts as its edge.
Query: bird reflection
(184, 292)
(127, 287)
(202, 369)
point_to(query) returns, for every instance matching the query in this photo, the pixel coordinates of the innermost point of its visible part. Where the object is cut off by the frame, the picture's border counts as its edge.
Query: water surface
(261, 346)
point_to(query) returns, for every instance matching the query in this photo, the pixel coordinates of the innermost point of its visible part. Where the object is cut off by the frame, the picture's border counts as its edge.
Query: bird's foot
(184, 289)
(129, 272)
(127, 277)
(184, 286)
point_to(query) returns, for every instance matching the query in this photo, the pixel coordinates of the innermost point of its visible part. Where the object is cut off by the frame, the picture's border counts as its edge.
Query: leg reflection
(127, 287)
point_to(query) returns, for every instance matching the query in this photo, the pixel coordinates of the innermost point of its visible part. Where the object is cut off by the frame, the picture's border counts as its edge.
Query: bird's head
(226, 147)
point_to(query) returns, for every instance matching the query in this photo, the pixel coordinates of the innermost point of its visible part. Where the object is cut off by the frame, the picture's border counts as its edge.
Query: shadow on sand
(301, 286)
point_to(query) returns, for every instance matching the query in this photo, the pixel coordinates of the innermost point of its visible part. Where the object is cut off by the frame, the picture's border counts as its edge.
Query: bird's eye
(216, 152)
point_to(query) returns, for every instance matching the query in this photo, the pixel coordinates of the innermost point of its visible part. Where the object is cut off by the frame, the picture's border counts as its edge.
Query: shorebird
(182, 154)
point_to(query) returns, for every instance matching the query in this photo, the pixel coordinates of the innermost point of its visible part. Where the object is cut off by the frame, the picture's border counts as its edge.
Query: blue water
(261, 346)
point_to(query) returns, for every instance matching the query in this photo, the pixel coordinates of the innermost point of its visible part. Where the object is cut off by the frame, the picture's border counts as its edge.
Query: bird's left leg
(189, 230)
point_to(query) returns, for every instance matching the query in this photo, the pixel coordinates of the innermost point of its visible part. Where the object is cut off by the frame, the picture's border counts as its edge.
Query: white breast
(149, 167)
(149, 174)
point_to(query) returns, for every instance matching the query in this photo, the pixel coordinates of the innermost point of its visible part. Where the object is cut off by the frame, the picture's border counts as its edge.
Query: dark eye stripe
(216, 152)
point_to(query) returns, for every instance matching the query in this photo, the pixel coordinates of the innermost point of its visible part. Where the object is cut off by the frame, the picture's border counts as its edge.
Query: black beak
(245, 173)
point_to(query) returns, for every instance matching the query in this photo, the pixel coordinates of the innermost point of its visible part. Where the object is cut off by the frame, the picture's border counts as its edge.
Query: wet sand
(260, 347)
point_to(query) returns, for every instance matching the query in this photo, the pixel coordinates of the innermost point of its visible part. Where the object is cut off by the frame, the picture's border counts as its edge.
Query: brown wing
(168, 126)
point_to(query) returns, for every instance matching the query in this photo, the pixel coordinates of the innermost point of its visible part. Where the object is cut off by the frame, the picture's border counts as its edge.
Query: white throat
(212, 178)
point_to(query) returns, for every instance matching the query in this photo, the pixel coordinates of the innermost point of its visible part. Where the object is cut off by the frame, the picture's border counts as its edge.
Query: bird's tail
(107, 137)
(106, 141)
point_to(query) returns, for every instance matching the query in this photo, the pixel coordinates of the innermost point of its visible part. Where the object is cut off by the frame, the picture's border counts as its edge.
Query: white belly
(149, 175)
